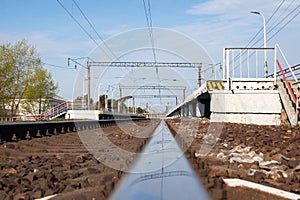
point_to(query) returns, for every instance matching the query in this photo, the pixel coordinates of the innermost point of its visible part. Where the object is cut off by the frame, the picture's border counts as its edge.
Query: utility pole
(88, 67)
(83, 104)
(106, 101)
(120, 102)
(99, 97)
(199, 75)
(133, 106)
(112, 100)
(89, 83)
(265, 41)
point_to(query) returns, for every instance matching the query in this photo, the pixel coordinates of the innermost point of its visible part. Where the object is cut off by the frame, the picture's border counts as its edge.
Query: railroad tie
(28, 136)
(38, 134)
(14, 137)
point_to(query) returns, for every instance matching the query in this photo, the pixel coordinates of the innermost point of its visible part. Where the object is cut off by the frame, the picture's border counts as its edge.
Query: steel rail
(15, 131)
(161, 172)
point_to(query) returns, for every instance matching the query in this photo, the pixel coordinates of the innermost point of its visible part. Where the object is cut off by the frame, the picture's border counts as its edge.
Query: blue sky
(214, 24)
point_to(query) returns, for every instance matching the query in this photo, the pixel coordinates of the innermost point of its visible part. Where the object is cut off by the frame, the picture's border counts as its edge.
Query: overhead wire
(290, 20)
(151, 31)
(275, 26)
(99, 36)
(147, 10)
(282, 13)
(281, 21)
(87, 33)
(92, 26)
(260, 30)
(77, 22)
(52, 65)
(288, 15)
(148, 15)
(268, 20)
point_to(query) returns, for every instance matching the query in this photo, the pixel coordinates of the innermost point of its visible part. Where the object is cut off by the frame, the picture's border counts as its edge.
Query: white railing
(286, 73)
(57, 110)
(247, 62)
(252, 64)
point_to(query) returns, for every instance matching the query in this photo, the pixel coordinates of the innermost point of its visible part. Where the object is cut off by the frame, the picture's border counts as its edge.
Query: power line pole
(88, 67)
(89, 83)
(265, 41)
(199, 75)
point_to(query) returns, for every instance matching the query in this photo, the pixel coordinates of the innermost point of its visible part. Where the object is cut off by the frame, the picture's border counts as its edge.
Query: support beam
(145, 64)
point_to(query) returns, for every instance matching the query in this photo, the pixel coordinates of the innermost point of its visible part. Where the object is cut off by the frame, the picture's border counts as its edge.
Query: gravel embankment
(61, 164)
(268, 155)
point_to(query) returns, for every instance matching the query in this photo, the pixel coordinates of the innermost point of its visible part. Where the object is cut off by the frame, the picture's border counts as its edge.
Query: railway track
(16, 131)
(60, 164)
(161, 172)
(266, 155)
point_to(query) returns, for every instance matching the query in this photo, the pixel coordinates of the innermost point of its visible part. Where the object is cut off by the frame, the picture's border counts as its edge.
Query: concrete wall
(262, 107)
(247, 118)
(83, 114)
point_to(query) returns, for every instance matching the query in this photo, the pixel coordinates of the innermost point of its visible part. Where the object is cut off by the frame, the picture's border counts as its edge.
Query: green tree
(41, 88)
(139, 110)
(79, 98)
(20, 67)
(6, 77)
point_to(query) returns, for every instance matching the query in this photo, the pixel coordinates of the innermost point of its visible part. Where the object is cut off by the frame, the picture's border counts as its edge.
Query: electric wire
(99, 36)
(290, 13)
(260, 30)
(149, 25)
(273, 28)
(92, 26)
(52, 65)
(282, 13)
(85, 31)
(281, 21)
(285, 24)
(289, 21)
(276, 10)
(151, 36)
(75, 20)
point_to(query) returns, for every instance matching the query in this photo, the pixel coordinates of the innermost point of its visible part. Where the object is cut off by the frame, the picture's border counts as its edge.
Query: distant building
(30, 109)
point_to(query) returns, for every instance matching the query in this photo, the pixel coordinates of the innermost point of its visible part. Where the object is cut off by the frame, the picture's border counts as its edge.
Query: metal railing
(56, 111)
(248, 64)
(245, 62)
(290, 78)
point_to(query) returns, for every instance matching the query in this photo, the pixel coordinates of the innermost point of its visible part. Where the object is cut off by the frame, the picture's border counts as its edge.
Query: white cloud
(215, 7)
(231, 7)
(229, 23)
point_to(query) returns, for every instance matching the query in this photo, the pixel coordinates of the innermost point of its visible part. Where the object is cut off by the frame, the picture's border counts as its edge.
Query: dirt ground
(57, 164)
(268, 155)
